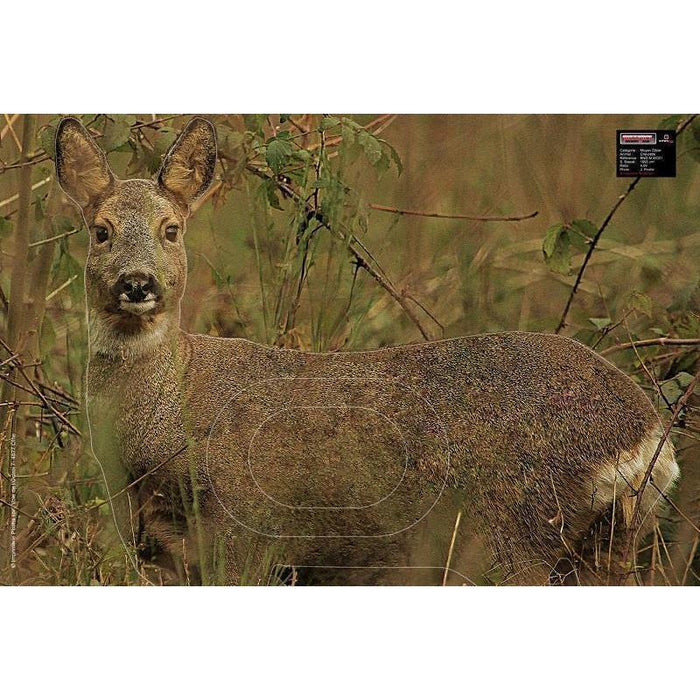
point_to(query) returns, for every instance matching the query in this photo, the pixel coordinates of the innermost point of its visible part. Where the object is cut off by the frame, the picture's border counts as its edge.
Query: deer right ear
(188, 168)
(81, 165)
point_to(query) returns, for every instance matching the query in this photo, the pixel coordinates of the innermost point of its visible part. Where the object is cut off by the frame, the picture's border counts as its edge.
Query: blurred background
(321, 234)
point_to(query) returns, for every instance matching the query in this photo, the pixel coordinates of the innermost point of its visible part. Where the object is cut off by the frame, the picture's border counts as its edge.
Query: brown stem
(16, 311)
(40, 273)
(465, 217)
(650, 342)
(19, 267)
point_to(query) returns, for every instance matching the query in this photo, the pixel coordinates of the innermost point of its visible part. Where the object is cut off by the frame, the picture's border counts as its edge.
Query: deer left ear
(188, 168)
(81, 165)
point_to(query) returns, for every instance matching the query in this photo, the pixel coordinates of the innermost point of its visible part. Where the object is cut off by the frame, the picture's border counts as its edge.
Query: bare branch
(650, 342)
(465, 217)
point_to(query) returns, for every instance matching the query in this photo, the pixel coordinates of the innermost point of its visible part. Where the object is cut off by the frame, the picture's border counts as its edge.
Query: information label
(646, 153)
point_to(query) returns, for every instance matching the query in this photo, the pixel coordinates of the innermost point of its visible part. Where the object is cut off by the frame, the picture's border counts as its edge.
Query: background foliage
(351, 232)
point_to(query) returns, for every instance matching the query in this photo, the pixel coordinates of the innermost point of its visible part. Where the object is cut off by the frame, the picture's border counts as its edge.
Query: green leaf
(585, 227)
(640, 302)
(550, 239)
(600, 323)
(269, 191)
(674, 388)
(153, 158)
(394, 156)
(277, 151)
(303, 155)
(62, 224)
(39, 208)
(370, 145)
(116, 133)
(557, 249)
(383, 164)
(348, 134)
(67, 267)
(254, 123)
(328, 123)
(47, 138)
(671, 122)
(227, 139)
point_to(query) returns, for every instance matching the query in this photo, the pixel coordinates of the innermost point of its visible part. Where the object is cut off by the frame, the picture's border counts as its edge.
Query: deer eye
(101, 234)
(171, 233)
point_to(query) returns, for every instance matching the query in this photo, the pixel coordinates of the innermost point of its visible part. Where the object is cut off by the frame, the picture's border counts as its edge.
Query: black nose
(136, 286)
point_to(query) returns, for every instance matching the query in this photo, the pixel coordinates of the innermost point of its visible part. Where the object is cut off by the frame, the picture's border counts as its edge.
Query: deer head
(136, 266)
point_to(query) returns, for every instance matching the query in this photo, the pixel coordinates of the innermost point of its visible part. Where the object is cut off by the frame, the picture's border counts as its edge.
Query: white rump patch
(620, 480)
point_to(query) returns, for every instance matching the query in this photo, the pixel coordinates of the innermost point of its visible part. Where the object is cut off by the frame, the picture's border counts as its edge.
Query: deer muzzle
(137, 292)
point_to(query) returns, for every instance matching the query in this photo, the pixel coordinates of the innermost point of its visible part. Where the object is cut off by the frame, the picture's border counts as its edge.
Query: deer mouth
(138, 302)
(138, 308)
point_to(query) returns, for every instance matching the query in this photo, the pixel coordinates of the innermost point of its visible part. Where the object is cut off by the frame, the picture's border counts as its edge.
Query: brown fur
(329, 460)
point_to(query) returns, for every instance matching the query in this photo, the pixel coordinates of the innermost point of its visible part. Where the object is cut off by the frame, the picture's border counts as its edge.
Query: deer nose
(136, 287)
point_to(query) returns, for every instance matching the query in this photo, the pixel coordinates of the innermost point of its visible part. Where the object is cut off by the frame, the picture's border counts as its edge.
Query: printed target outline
(362, 408)
(386, 380)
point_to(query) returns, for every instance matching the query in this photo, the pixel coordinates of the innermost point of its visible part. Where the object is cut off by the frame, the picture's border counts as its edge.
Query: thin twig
(54, 238)
(650, 342)
(59, 289)
(11, 129)
(154, 122)
(464, 217)
(36, 159)
(35, 186)
(8, 126)
(36, 391)
(338, 139)
(691, 558)
(16, 509)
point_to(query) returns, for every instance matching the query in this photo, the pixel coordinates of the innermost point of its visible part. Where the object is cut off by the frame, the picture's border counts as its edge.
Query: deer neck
(135, 340)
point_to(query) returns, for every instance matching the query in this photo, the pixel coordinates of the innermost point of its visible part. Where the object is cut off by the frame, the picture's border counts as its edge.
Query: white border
(363, 57)
(348, 643)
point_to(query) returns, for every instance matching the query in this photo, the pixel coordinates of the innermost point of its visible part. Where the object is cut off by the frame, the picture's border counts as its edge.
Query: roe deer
(231, 455)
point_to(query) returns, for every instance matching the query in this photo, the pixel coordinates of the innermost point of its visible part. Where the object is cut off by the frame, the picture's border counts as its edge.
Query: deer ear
(81, 165)
(188, 168)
